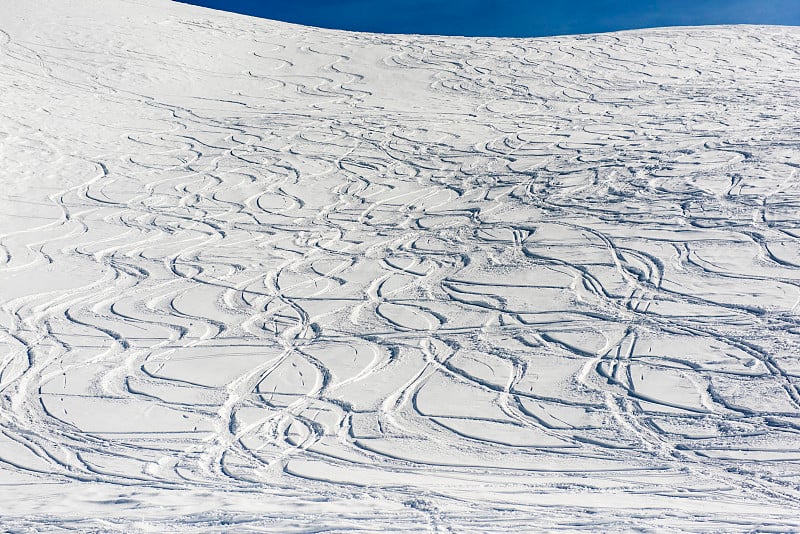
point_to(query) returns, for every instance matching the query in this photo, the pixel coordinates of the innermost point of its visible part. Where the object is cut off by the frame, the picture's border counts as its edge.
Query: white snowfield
(258, 276)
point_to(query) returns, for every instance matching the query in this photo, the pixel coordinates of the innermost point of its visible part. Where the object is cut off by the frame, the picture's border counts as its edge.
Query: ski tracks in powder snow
(256, 275)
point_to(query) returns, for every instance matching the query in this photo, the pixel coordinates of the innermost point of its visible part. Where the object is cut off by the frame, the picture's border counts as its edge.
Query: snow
(259, 276)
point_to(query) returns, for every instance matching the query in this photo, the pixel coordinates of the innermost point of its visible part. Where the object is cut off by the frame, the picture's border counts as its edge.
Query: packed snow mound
(262, 276)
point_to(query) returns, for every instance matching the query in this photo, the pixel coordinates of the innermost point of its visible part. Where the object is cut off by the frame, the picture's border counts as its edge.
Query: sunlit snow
(263, 276)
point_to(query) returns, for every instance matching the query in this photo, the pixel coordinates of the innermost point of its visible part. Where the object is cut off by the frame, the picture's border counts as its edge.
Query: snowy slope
(262, 276)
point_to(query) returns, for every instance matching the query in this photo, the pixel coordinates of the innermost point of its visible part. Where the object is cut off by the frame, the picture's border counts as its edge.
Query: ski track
(261, 276)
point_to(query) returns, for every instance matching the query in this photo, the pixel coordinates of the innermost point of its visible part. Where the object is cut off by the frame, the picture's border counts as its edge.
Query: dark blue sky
(517, 18)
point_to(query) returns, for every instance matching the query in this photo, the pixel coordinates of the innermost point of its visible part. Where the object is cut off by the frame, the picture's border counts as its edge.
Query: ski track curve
(255, 275)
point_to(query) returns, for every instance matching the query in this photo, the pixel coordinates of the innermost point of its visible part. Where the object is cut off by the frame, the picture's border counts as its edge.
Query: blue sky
(518, 18)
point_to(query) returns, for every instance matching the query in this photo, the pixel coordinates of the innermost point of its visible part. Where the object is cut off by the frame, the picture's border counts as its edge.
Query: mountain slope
(270, 276)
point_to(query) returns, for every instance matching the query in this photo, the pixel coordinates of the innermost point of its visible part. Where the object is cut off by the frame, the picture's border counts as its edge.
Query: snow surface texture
(262, 276)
